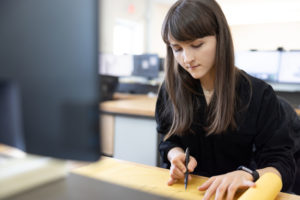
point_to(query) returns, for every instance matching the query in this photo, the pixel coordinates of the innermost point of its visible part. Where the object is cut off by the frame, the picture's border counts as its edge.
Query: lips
(193, 67)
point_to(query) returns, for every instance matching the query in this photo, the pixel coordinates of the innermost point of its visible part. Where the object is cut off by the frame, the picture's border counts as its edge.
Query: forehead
(172, 40)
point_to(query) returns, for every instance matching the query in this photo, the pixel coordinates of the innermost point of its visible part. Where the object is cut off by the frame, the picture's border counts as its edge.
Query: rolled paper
(267, 188)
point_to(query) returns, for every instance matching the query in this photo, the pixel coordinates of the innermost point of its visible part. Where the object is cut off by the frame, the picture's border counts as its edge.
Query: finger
(247, 183)
(212, 189)
(176, 173)
(178, 163)
(172, 181)
(231, 191)
(192, 164)
(221, 189)
(205, 185)
(234, 187)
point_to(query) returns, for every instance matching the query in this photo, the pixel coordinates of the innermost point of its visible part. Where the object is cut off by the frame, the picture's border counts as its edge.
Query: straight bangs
(187, 21)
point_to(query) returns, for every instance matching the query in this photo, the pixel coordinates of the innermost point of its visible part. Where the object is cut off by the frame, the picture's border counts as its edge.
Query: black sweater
(260, 140)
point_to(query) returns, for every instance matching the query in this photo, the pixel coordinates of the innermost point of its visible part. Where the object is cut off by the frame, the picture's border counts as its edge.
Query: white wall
(262, 25)
(267, 36)
(110, 11)
(159, 12)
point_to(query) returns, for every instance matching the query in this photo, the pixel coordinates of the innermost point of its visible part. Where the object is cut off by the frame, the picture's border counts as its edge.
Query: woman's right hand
(176, 157)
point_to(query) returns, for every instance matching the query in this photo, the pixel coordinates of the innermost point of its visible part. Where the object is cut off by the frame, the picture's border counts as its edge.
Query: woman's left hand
(229, 183)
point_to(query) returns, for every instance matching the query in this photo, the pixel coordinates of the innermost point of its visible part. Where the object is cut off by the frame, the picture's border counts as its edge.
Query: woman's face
(197, 57)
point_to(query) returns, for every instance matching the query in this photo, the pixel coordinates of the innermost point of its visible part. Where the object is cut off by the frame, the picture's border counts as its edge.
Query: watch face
(254, 174)
(247, 170)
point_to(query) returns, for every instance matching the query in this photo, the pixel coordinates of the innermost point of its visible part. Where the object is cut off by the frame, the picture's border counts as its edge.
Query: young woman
(226, 117)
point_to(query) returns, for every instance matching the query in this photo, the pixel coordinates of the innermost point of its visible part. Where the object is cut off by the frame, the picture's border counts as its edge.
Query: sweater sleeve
(163, 117)
(274, 145)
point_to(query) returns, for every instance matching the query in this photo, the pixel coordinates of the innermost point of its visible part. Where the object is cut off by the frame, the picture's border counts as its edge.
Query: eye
(197, 45)
(176, 49)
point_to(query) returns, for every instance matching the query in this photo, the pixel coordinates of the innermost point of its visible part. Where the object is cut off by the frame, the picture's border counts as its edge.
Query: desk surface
(149, 179)
(77, 187)
(106, 179)
(140, 105)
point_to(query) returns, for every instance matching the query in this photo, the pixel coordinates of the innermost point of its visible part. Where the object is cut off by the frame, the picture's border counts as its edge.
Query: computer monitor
(49, 50)
(11, 132)
(261, 64)
(290, 67)
(146, 65)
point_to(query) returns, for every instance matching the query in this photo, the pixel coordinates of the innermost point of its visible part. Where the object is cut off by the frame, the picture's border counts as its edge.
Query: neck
(207, 82)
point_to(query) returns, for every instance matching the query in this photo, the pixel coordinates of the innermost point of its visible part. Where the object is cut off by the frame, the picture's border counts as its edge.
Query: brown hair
(188, 20)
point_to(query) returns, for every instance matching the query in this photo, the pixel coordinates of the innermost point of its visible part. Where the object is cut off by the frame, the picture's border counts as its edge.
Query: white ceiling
(257, 11)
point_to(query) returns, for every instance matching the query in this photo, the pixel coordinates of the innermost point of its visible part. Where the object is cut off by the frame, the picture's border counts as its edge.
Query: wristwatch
(254, 173)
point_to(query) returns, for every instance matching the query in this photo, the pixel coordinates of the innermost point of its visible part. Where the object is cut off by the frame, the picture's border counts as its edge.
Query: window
(128, 37)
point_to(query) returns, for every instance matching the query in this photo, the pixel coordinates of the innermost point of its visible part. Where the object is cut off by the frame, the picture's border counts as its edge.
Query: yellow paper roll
(267, 188)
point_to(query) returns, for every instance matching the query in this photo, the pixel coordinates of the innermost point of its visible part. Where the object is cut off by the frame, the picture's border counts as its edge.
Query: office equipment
(146, 65)
(261, 64)
(137, 88)
(134, 71)
(108, 86)
(11, 132)
(50, 50)
(289, 71)
(187, 160)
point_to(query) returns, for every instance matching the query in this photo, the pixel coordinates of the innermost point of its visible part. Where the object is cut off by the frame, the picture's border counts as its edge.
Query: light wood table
(134, 105)
(149, 179)
(123, 121)
(140, 105)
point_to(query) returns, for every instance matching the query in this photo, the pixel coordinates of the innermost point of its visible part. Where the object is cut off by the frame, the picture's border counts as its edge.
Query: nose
(188, 57)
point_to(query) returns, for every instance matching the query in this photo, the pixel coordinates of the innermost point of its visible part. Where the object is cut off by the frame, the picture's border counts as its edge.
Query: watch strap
(254, 173)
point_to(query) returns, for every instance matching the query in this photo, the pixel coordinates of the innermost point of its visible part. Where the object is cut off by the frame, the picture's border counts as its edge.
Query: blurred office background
(133, 27)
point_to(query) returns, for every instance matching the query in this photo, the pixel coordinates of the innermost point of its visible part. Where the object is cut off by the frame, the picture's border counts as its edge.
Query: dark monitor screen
(49, 50)
(11, 132)
(261, 64)
(290, 67)
(146, 65)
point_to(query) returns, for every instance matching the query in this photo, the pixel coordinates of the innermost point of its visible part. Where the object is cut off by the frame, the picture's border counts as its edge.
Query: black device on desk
(146, 66)
(137, 88)
(49, 49)
(108, 86)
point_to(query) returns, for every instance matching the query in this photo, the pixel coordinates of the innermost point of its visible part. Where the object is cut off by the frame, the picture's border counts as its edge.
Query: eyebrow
(174, 45)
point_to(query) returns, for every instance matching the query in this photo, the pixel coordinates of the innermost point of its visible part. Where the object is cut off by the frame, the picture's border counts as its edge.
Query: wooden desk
(140, 105)
(134, 105)
(128, 128)
(148, 179)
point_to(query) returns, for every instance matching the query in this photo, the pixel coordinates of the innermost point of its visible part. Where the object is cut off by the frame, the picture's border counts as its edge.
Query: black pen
(187, 160)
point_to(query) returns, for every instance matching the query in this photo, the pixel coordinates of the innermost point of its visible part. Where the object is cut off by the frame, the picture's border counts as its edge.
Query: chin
(197, 76)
